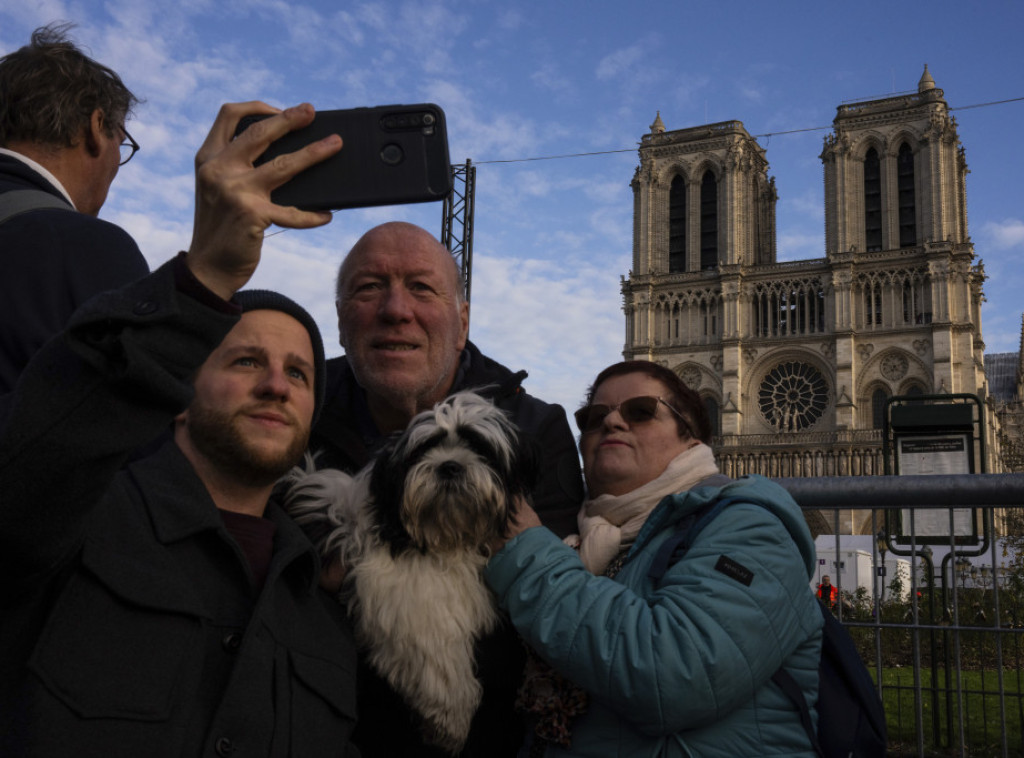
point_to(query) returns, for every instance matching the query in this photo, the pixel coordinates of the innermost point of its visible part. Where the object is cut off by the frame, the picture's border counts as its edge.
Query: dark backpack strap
(672, 549)
(666, 554)
(792, 690)
(688, 529)
(16, 202)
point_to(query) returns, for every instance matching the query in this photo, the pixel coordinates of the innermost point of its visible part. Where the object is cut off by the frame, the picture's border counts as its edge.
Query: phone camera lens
(428, 119)
(392, 154)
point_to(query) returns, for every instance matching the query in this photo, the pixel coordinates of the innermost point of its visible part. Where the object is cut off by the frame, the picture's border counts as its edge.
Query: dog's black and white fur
(413, 530)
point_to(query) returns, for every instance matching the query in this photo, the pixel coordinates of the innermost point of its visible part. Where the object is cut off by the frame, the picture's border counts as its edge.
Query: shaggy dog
(413, 530)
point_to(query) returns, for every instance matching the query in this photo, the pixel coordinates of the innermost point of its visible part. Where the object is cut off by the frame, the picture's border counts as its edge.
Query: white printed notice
(941, 454)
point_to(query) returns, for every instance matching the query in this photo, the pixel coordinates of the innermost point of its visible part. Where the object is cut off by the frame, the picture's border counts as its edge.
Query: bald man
(403, 320)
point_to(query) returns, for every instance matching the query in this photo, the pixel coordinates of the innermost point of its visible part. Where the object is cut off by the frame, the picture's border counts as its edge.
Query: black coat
(344, 438)
(52, 261)
(128, 621)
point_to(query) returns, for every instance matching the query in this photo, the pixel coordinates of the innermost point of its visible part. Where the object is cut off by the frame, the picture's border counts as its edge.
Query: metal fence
(940, 620)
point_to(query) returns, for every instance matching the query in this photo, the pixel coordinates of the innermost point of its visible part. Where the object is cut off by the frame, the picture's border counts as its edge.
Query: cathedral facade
(796, 360)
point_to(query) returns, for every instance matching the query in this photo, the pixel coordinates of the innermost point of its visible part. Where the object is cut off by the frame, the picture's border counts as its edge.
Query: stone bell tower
(795, 360)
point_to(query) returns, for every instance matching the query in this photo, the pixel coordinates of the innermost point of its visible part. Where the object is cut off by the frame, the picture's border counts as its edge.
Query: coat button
(224, 746)
(232, 642)
(145, 307)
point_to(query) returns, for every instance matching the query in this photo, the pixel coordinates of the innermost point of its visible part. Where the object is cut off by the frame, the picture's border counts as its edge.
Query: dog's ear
(387, 480)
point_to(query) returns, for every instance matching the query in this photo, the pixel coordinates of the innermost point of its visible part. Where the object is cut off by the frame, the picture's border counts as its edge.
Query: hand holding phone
(233, 199)
(392, 154)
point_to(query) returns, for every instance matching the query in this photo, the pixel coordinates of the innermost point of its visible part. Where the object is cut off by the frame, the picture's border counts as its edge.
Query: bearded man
(165, 605)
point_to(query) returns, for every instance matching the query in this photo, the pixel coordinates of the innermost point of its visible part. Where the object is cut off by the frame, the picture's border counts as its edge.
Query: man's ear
(463, 324)
(341, 328)
(95, 131)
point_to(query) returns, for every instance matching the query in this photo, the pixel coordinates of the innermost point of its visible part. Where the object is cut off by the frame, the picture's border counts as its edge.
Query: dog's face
(448, 481)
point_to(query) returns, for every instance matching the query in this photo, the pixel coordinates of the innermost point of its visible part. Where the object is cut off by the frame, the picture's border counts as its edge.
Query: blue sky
(525, 80)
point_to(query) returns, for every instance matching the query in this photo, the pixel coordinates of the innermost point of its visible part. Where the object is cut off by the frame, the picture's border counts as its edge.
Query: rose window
(894, 366)
(792, 396)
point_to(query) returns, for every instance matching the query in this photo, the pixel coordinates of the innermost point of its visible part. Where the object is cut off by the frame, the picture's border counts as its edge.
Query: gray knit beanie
(266, 300)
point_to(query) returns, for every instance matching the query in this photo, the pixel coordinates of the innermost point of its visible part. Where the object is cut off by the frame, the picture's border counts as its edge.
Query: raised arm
(116, 378)
(233, 206)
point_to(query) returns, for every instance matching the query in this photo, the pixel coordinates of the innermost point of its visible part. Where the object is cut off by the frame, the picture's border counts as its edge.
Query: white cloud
(1005, 234)
(808, 206)
(799, 246)
(1002, 329)
(577, 330)
(751, 92)
(621, 62)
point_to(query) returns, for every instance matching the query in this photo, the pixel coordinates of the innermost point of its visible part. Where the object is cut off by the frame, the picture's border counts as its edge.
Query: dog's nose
(449, 470)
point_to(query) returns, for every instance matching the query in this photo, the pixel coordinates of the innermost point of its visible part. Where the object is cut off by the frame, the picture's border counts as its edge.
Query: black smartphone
(392, 154)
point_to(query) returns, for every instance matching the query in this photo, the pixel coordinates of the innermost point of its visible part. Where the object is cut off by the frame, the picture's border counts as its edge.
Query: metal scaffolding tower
(457, 231)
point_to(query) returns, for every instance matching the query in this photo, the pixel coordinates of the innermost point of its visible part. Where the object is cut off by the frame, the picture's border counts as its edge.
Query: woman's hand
(523, 518)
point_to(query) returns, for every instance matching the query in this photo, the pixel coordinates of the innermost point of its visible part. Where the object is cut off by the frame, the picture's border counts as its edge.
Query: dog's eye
(478, 443)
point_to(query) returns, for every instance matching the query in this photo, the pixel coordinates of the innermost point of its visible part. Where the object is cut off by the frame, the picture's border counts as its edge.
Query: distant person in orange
(827, 592)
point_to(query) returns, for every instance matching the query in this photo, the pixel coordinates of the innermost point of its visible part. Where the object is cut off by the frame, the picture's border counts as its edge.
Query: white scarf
(610, 523)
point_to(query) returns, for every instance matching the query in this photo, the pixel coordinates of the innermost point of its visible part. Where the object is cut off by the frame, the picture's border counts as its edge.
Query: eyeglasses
(128, 147)
(635, 410)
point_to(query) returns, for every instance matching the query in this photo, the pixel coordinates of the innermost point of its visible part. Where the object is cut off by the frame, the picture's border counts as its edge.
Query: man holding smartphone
(62, 140)
(168, 606)
(403, 320)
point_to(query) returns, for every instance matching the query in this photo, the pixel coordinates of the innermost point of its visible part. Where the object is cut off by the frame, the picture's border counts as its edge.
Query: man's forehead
(268, 328)
(400, 262)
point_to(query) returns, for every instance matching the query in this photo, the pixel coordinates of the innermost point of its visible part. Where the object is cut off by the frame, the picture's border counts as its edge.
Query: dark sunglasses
(635, 410)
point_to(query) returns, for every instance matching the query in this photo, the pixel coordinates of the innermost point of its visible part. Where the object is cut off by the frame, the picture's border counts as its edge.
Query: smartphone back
(391, 154)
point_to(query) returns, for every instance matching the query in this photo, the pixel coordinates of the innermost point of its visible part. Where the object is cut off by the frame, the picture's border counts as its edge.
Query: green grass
(951, 715)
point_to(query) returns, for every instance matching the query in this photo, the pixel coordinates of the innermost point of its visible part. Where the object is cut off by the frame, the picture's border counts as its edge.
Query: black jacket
(52, 261)
(128, 621)
(345, 438)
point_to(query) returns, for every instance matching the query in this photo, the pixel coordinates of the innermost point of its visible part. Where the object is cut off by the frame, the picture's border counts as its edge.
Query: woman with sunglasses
(679, 664)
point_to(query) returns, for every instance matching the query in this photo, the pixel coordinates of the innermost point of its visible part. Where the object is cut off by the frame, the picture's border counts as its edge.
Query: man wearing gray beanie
(165, 604)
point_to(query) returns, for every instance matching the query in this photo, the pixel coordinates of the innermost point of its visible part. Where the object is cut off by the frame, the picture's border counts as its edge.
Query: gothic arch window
(907, 207)
(878, 399)
(872, 201)
(677, 225)
(873, 303)
(714, 415)
(784, 308)
(917, 300)
(708, 221)
(792, 396)
(914, 390)
(905, 188)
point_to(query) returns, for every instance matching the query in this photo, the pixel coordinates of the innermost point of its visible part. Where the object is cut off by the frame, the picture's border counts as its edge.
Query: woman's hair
(49, 90)
(680, 397)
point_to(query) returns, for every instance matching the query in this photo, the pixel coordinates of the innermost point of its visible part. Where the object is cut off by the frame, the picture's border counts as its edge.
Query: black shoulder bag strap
(785, 682)
(16, 202)
(688, 528)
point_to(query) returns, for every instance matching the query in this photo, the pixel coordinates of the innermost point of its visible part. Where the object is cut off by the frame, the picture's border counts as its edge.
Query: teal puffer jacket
(681, 668)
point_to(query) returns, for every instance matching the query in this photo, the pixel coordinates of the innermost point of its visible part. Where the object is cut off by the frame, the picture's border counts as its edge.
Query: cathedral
(796, 360)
